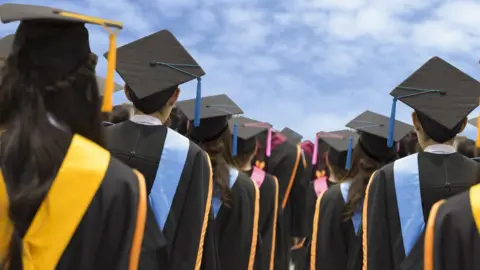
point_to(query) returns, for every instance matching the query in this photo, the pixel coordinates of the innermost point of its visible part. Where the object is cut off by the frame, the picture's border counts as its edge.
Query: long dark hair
(221, 158)
(363, 166)
(39, 116)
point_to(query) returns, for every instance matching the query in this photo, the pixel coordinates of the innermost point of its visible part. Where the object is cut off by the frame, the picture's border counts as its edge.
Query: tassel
(235, 140)
(269, 142)
(348, 163)
(198, 99)
(391, 123)
(107, 104)
(315, 150)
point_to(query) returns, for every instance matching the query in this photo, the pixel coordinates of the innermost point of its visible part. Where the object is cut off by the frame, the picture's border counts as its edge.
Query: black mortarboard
(245, 131)
(374, 129)
(474, 121)
(52, 34)
(157, 63)
(101, 86)
(292, 136)
(440, 92)
(215, 111)
(340, 144)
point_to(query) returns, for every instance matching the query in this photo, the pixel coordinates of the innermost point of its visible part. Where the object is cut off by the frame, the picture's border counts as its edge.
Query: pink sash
(258, 175)
(320, 185)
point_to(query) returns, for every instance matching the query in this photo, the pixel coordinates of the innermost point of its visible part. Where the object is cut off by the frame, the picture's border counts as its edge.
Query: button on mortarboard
(156, 63)
(215, 112)
(45, 17)
(439, 90)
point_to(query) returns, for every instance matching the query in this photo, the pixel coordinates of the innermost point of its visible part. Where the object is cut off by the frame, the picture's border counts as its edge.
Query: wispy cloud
(308, 64)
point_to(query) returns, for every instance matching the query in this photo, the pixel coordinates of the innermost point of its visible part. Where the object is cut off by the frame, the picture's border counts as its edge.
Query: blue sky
(308, 64)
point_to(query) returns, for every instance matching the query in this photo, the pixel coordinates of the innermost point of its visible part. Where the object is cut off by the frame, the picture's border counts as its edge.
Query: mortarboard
(374, 131)
(215, 111)
(157, 63)
(101, 86)
(52, 34)
(473, 121)
(340, 144)
(245, 131)
(438, 90)
(292, 136)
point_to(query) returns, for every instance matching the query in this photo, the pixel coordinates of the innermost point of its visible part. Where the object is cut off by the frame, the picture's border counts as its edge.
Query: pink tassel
(315, 151)
(269, 142)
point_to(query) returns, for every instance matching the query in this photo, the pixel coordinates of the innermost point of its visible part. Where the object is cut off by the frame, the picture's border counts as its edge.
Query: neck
(246, 167)
(432, 142)
(160, 116)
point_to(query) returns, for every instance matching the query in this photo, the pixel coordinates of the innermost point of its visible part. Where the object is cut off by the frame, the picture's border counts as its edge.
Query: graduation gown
(179, 184)
(398, 201)
(452, 238)
(236, 224)
(267, 222)
(92, 217)
(334, 239)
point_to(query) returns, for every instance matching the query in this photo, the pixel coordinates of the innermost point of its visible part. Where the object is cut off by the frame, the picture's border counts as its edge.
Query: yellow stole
(475, 204)
(65, 204)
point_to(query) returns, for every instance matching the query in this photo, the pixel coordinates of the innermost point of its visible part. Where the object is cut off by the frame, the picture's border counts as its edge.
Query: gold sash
(65, 204)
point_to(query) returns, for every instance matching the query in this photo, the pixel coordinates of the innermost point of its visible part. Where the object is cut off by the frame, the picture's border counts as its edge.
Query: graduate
(245, 131)
(292, 136)
(56, 178)
(236, 199)
(177, 172)
(284, 160)
(401, 194)
(452, 237)
(337, 220)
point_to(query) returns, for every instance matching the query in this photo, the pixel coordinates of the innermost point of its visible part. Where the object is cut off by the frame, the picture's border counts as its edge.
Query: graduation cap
(440, 91)
(374, 131)
(158, 63)
(101, 86)
(215, 111)
(60, 37)
(291, 135)
(473, 121)
(245, 131)
(341, 144)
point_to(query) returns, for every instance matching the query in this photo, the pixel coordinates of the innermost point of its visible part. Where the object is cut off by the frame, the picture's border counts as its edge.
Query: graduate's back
(65, 203)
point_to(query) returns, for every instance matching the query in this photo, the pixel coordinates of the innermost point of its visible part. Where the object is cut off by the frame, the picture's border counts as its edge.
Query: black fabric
(141, 147)
(376, 147)
(437, 131)
(152, 103)
(441, 176)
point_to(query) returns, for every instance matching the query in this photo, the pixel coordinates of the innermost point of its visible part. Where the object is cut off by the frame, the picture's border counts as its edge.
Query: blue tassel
(391, 123)
(348, 163)
(235, 140)
(198, 98)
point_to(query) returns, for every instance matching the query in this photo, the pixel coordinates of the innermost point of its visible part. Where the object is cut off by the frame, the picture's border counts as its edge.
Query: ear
(125, 90)
(464, 124)
(173, 99)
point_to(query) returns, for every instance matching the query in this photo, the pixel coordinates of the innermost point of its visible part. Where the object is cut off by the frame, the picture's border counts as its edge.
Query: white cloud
(307, 64)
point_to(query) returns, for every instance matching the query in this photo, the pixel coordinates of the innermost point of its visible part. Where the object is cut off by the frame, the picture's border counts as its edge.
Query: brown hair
(221, 158)
(363, 166)
(339, 171)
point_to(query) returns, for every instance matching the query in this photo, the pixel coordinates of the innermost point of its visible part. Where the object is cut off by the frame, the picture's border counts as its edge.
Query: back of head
(365, 161)
(408, 145)
(219, 150)
(465, 146)
(433, 130)
(48, 92)
(178, 121)
(121, 113)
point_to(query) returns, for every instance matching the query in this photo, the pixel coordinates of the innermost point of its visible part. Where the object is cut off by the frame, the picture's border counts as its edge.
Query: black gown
(392, 226)
(236, 224)
(180, 187)
(285, 163)
(335, 240)
(267, 223)
(452, 239)
(92, 217)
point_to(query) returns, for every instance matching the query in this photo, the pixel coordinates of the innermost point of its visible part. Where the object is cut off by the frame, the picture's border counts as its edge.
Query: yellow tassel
(477, 143)
(109, 83)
